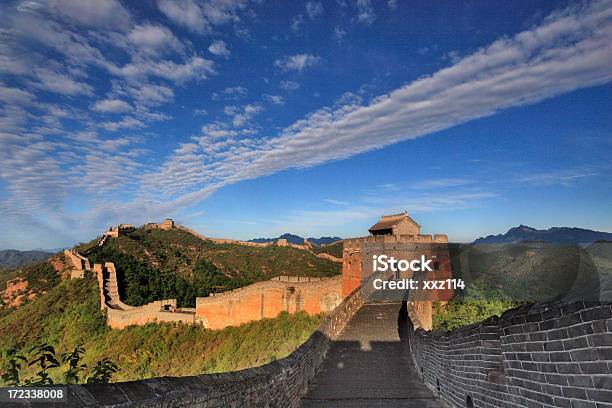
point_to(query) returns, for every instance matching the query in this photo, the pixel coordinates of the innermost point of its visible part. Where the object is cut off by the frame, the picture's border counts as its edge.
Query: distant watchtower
(395, 224)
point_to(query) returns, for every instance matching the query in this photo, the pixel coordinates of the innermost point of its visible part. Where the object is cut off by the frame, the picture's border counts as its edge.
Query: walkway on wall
(370, 365)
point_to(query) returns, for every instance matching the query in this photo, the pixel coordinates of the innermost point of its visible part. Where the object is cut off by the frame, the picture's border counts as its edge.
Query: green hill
(159, 264)
(69, 315)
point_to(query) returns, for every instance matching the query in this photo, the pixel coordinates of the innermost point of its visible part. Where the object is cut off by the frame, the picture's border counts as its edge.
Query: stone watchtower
(399, 236)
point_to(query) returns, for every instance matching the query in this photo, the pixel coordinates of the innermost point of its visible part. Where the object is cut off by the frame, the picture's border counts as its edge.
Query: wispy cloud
(440, 183)
(219, 48)
(111, 105)
(564, 177)
(314, 9)
(569, 50)
(335, 202)
(314, 221)
(298, 62)
(202, 16)
(365, 12)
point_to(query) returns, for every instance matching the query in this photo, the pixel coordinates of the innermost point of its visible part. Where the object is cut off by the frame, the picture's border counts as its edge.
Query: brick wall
(277, 384)
(544, 355)
(267, 299)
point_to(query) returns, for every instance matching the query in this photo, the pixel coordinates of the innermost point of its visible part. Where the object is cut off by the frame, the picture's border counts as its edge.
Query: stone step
(369, 365)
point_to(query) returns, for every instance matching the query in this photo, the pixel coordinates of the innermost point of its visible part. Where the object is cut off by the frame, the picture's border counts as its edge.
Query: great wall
(369, 352)
(254, 302)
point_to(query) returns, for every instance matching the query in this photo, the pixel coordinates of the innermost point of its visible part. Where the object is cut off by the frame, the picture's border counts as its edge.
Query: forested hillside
(159, 264)
(69, 315)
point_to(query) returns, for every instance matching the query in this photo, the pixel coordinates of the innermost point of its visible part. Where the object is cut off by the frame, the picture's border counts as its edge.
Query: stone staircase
(370, 365)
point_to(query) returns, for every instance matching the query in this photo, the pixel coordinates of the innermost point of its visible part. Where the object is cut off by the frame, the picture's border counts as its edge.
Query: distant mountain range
(524, 233)
(12, 258)
(296, 239)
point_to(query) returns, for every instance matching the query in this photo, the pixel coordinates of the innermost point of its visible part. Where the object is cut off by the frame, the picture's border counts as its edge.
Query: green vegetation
(44, 359)
(478, 302)
(463, 312)
(503, 276)
(155, 264)
(69, 316)
(40, 276)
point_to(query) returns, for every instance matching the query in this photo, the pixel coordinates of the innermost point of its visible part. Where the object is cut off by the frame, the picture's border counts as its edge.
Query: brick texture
(539, 355)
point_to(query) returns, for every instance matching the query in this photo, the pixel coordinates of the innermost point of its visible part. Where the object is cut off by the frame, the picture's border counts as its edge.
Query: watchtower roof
(389, 221)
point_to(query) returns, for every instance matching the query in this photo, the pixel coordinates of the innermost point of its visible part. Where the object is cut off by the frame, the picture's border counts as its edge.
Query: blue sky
(246, 119)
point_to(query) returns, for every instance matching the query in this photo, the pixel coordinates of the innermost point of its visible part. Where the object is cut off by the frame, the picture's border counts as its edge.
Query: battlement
(356, 243)
(119, 229)
(167, 224)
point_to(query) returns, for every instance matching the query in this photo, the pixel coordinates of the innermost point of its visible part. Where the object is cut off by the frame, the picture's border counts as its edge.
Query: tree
(102, 372)
(11, 375)
(71, 376)
(45, 358)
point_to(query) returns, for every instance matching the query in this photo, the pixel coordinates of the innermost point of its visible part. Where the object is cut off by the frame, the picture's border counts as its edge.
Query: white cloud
(365, 12)
(219, 48)
(314, 9)
(242, 114)
(17, 96)
(151, 94)
(111, 106)
(154, 39)
(289, 85)
(297, 23)
(339, 34)
(184, 12)
(392, 4)
(335, 202)
(194, 68)
(59, 83)
(96, 13)
(230, 93)
(202, 16)
(565, 177)
(297, 62)
(127, 122)
(434, 184)
(275, 99)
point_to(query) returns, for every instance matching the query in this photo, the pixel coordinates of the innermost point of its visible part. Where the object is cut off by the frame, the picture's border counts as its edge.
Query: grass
(69, 315)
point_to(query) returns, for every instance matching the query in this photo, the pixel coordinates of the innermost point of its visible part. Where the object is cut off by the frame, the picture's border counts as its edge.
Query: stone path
(369, 365)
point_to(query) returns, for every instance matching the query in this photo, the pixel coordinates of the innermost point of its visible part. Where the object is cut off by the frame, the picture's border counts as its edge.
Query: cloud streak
(571, 49)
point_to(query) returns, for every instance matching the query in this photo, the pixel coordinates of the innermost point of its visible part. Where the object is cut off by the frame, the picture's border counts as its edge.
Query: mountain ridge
(524, 233)
(13, 258)
(296, 239)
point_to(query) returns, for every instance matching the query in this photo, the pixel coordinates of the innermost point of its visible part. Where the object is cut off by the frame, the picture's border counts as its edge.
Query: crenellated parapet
(360, 242)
